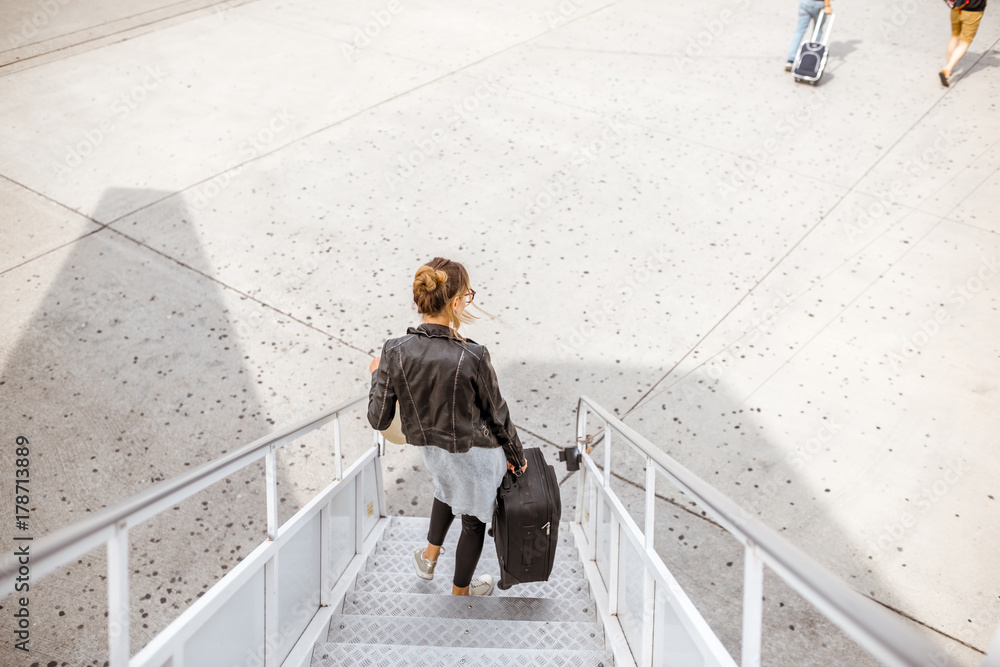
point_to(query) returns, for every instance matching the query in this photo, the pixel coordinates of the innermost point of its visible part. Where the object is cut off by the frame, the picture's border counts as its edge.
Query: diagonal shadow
(128, 372)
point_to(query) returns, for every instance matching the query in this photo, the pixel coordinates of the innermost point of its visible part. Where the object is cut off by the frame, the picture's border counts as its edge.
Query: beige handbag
(394, 433)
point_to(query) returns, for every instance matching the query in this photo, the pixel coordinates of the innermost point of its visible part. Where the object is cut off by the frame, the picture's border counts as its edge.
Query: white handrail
(110, 526)
(874, 628)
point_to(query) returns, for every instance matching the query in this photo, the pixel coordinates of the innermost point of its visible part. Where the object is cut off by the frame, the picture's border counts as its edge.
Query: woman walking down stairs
(394, 618)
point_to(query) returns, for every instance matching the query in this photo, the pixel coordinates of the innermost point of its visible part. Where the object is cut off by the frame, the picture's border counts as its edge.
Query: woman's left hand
(523, 468)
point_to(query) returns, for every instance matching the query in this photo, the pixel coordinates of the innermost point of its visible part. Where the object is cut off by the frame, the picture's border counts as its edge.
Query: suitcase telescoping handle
(824, 26)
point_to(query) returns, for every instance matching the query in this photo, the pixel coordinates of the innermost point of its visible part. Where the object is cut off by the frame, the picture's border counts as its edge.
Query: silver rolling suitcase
(810, 61)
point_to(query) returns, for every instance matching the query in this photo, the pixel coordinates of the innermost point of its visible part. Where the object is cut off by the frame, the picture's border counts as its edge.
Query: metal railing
(111, 527)
(666, 609)
(619, 557)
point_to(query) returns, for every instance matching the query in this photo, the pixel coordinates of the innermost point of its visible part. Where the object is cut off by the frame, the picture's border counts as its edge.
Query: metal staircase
(334, 585)
(392, 617)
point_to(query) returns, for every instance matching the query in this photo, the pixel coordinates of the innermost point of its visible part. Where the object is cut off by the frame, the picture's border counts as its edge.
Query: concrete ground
(212, 212)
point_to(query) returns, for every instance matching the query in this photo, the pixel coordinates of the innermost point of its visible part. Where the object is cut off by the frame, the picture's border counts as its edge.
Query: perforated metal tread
(379, 655)
(576, 610)
(408, 582)
(383, 548)
(414, 529)
(466, 633)
(446, 567)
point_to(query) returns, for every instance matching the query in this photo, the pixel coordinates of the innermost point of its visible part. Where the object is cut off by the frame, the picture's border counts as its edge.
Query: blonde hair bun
(436, 285)
(428, 280)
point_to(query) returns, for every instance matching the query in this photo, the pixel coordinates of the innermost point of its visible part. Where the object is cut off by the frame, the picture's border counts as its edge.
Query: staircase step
(575, 610)
(466, 633)
(408, 582)
(414, 529)
(446, 567)
(563, 552)
(381, 655)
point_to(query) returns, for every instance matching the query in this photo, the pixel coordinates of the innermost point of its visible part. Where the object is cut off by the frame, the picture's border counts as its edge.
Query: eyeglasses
(470, 296)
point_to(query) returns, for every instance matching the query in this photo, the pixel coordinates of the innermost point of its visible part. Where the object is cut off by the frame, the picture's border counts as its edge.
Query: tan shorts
(965, 24)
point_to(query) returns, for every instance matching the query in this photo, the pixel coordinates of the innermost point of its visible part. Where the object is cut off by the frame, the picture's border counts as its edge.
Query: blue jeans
(808, 10)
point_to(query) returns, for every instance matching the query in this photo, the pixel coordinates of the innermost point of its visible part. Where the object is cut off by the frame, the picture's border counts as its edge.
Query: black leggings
(470, 542)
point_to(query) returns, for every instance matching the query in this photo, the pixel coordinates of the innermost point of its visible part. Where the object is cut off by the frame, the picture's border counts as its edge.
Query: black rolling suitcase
(810, 61)
(526, 522)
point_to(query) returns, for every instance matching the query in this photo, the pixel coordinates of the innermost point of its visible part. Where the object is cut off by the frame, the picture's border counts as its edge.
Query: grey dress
(467, 482)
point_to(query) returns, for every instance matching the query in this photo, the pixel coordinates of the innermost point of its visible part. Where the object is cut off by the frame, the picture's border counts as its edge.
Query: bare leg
(431, 552)
(956, 55)
(952, 43)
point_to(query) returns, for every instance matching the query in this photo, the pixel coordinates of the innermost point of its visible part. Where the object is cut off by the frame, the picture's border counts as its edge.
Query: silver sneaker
(481, 585)
(424, 567)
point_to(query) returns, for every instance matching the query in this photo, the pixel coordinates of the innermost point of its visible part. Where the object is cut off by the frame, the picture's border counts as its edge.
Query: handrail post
(581, 478)
(379, 482)
(649, 589)
(271, 635)
(271, 481)
(648, 618)
(650, 503)
(614, 544)
(325, 585)
(118, 602)
(338, 464)
(607, 456)
(592, 524)
(753, 607)
(359, 504)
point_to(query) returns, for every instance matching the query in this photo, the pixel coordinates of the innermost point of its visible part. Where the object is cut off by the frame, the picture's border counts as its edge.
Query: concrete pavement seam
(364, 111)
(77, 47)
(799, 242)
(101, 225)
(236, 291)
(850, 259)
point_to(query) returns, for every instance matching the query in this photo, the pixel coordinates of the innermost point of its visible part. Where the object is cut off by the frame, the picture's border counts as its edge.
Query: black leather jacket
(447, 393)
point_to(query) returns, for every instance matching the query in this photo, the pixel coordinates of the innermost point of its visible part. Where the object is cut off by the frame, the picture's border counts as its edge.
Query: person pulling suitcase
(811, 59)
(809, 10)
(449, 402)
